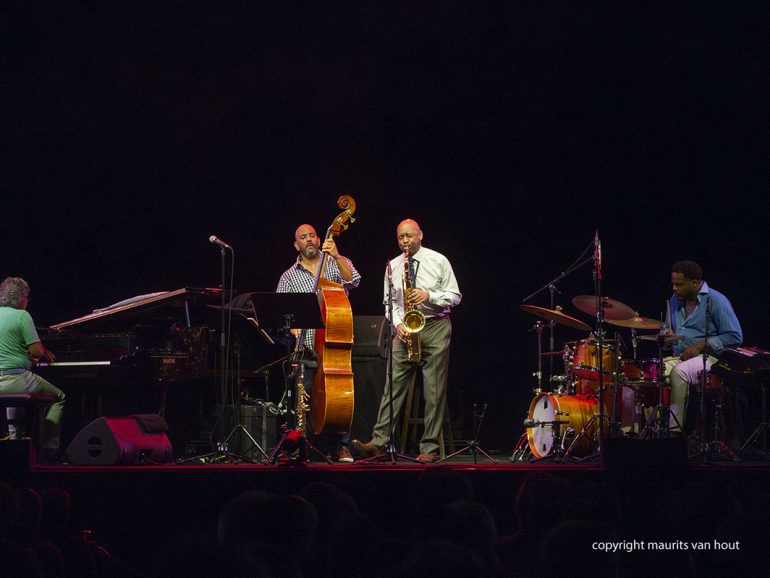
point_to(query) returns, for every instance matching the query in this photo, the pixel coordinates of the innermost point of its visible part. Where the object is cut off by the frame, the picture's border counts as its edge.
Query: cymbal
(637, 322)
(556, 316)
(661, 337)
(612, 309)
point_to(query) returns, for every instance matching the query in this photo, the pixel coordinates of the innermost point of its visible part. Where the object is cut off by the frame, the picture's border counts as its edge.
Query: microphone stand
(389, 451)
(222, 452)
(597, 274)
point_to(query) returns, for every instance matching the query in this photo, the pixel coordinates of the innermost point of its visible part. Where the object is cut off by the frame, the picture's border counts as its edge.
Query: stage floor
(140, 511)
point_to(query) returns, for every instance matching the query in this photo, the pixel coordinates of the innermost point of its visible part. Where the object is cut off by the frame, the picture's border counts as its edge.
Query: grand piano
(153, 353)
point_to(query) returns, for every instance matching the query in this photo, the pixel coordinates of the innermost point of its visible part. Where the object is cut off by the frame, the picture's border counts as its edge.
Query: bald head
(306, 241)
(409, 236)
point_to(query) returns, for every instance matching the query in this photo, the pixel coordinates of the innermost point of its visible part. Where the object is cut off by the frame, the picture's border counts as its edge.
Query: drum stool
(412, 419)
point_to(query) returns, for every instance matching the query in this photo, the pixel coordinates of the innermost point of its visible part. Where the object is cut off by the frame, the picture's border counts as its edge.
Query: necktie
(411, 270)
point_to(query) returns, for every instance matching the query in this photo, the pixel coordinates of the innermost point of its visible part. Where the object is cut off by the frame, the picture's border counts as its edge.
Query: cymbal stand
(552, 288)
(537, 328)
(473, 445)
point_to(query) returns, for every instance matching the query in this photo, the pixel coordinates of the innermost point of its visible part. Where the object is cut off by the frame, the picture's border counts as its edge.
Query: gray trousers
(28, 382)
(435, 339)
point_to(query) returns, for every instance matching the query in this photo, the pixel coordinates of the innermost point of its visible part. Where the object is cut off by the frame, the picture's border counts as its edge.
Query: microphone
(214, 239)
(598, 254)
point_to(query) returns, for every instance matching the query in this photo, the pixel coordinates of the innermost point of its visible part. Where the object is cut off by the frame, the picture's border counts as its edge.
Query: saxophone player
(431, 290)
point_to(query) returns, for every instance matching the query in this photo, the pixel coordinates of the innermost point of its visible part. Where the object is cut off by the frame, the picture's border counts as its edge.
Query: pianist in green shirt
(19, 345)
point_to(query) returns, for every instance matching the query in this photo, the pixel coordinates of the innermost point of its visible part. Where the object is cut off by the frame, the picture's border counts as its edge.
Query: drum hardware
(521, 451)
(561, 384)
(554, 316)
(538, 329)
(614, 424)
(657, 425)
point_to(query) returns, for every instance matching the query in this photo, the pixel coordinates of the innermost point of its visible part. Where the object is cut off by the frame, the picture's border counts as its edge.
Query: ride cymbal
(637, 322)
(556, 316)
(664, 338)
(612, 309)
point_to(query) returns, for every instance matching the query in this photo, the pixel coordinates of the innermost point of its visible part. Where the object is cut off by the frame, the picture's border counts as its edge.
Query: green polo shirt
(17, 331)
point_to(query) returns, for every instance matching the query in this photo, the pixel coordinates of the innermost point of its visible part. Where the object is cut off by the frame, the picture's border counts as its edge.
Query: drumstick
(668, 316)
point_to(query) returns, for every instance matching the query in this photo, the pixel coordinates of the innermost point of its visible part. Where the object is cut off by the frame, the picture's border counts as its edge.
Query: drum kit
(563, 417)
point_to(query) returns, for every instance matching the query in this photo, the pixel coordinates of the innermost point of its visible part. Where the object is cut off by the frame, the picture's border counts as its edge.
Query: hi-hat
(556, 316)
(664, 338)
(637, 322)
(612, 309)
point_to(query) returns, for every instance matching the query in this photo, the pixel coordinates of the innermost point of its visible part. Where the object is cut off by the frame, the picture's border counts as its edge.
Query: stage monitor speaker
(370, 332)
(110, 441)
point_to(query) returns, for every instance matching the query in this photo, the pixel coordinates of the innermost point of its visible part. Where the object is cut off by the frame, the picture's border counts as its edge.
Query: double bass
(332, 395)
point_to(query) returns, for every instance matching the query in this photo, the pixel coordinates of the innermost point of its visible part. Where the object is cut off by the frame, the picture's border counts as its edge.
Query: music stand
(283, 312)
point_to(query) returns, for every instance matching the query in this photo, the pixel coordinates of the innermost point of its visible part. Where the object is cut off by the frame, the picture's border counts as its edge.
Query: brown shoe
(343, 455)
(429, 458)
(366, 449)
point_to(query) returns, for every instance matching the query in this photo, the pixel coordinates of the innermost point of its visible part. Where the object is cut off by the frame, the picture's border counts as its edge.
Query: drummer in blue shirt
(692, 303)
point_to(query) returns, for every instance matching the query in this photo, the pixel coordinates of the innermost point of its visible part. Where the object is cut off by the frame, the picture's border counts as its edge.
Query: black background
(510, 131)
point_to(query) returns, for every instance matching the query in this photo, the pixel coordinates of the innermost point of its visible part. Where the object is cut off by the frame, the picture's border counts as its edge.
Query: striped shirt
(297, 279)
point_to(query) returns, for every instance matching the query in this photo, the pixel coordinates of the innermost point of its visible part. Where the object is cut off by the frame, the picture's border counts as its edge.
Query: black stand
(223, 454)
(602, 346)
(715, 450)
(389, 451)
(760, 433)
(473, 445)
(284, 312)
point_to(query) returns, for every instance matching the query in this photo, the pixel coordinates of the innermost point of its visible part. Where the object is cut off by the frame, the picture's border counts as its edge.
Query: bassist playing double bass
(301, 278)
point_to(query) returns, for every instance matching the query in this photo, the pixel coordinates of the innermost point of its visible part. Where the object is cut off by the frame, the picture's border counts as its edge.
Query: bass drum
(546, 408)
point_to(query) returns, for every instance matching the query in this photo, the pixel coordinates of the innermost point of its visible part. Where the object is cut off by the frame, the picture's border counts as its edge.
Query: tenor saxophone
(414, 320)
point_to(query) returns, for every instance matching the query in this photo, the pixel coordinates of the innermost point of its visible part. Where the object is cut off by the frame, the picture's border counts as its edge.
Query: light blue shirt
(724, 328)
(434, 274)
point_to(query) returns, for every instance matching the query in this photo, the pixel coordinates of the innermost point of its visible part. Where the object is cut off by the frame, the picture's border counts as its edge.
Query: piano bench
(34, 406)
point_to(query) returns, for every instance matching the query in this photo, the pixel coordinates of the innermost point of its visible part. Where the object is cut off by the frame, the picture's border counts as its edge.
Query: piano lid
(163, 306)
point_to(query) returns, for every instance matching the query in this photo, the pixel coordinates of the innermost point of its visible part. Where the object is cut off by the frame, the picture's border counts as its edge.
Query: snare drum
(585, 359)
(546, 408)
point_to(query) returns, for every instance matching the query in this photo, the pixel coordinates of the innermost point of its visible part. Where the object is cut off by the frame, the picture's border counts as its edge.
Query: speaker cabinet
(109, 441)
